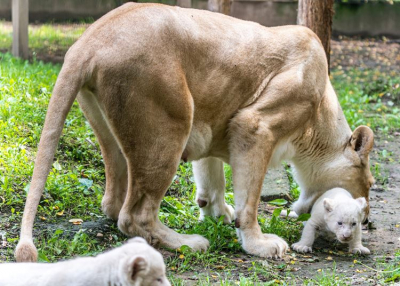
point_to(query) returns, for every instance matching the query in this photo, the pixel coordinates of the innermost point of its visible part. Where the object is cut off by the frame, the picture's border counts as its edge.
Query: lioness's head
(349, 168)
(343, 217)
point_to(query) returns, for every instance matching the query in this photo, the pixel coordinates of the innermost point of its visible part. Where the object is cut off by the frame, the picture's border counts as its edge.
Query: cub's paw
(360, 250)
(268, 245)
(301, 248)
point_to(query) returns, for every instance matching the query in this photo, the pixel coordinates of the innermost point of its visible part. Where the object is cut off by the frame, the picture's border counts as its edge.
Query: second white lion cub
(134, 264)
(337, 213)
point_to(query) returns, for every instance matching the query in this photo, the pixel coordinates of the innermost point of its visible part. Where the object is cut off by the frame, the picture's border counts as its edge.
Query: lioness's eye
(159, 280)
(354, 224)
(339, 223)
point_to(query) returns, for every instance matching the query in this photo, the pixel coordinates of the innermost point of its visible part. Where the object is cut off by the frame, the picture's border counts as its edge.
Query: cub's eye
(353, 224)
(159, 280)
(339, 223)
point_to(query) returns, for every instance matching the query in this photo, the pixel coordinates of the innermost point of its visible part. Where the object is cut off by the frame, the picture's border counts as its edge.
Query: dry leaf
(76, 221)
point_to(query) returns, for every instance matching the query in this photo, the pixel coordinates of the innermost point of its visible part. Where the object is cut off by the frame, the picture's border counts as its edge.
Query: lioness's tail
(68, 84)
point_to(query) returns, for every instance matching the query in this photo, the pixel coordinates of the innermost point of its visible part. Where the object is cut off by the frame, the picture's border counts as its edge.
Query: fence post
(20, 16)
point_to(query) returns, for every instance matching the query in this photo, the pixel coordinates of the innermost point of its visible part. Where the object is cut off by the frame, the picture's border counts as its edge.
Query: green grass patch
(51, 38)
(369, 98)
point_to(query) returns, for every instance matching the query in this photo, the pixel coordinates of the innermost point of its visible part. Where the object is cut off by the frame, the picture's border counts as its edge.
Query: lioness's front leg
(249, 160)
(210, 183)
(281, 111)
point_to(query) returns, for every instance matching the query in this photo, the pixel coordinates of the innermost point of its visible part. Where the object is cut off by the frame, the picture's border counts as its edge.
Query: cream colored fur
(133, 264)
(335, 213)
(160, 83)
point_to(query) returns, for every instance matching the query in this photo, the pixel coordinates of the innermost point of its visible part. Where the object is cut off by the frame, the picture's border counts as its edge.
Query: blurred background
(56, 24)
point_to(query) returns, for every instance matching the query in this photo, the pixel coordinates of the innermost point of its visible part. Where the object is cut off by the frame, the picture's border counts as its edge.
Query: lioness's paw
(196, 242)
(229, 214)
(217, 211)
(301, 248)
(269, 246)
(360, 250)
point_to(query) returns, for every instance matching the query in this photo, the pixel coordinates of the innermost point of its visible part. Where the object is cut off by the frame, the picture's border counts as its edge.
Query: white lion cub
(133, 264)
(337, 213)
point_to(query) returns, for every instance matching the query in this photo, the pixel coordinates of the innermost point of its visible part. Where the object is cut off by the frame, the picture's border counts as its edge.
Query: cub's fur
(160, 83)
(133, 264)
(335, 213)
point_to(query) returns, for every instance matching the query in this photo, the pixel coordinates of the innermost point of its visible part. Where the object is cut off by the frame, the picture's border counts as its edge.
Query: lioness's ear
(362, 202)
(329, 204)
(362, 141)
(138, 267)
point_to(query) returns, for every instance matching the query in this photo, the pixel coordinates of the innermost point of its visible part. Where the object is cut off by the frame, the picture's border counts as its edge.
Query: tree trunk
(317, 15)
(184, 3)
(221, 6)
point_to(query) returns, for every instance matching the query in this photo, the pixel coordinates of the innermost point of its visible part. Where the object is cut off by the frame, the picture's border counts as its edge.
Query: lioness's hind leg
(210, 183)
(152, 138)
(114, 160)
(147, 184)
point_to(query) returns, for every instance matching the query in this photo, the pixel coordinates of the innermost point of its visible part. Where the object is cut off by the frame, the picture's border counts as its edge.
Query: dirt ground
(382, 237)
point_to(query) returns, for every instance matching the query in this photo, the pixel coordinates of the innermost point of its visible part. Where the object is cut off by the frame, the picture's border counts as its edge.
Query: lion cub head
(344, 216)
(141, 265)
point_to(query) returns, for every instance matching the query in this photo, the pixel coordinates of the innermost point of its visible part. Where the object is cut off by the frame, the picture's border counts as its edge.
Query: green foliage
(24, 93)
(57, 246)
(328, 277)
(54, 39)
(369, 98)
(278, 202)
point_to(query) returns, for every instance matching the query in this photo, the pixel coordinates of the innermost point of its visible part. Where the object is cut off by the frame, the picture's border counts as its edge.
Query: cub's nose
(346, 237)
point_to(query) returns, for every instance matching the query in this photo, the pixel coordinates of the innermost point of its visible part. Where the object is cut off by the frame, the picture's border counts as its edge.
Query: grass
(75, 185)
(49, 38)
(369, 98)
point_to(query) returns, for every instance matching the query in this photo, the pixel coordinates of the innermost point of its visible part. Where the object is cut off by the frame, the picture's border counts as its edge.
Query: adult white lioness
(160, 83)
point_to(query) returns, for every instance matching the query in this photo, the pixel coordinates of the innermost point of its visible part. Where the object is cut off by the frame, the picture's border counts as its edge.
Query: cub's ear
(329, 204)
(362, 141)
(362, 202)
(138, 267)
